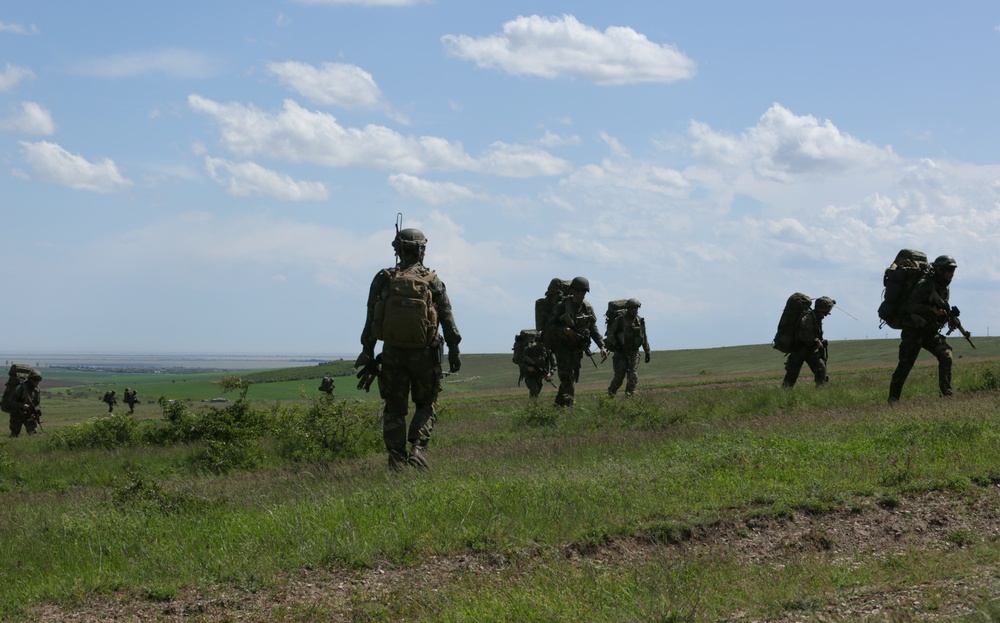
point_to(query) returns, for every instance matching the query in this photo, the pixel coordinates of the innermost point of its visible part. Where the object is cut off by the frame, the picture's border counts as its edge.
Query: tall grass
(241, 494)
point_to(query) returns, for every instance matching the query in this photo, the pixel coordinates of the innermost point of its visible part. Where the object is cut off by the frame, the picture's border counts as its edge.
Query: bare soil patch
(843, 535)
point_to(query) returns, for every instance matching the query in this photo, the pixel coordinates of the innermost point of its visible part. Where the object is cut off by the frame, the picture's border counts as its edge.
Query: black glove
(454, 362)
(647, 357)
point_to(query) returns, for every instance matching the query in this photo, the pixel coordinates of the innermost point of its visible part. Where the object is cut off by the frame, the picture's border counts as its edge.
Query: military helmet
(35, 374)
(945, 260)
(580, 283)
(409, 240)
(633, 303)
(825, 304)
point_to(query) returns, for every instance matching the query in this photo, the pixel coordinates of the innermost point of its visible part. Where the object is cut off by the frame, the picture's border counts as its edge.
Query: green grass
(244, 494)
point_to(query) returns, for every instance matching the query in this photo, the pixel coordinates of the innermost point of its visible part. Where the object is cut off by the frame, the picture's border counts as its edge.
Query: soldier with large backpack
(535, 362)
(807, 344)
(570, 328)
(922, 315)
(406, 304)
(626, 335)
(24, 403)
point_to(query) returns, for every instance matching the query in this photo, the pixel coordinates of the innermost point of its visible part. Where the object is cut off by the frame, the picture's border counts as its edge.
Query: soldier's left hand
(604, 354)
(454, 362)
(647, 357)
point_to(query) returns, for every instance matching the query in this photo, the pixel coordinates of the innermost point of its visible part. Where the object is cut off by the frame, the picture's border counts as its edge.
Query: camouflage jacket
(919, 309)
(581, 318)
(628, 334)
(810, 329)
(439, 296)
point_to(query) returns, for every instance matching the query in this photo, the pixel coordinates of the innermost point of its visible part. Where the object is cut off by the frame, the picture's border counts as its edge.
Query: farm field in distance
(713, 494)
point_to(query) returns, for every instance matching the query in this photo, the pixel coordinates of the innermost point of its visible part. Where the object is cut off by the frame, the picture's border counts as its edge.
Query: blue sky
(224, 177)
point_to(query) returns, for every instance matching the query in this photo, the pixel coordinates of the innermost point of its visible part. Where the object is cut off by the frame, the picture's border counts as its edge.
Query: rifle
(35, 415)
(955, 323)
(367, 374)
(953, 320)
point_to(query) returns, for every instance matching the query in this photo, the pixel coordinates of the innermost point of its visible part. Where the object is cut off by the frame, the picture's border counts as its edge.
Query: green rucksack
(545, 305)
(405, 315)
(899, 279)
(784, 338)
(17, 374)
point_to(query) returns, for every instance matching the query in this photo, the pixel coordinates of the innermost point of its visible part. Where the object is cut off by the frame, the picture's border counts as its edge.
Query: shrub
(117, 430)
(136, 493)
(328, 429)
(536, 414)
(222, 457)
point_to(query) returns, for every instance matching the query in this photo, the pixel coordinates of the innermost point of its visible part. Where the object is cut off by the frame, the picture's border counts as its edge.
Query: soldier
(626, 334)
(568, 332)
(925, 313)
(809, 346)
(537, 364)
(405, 306)
(26, 405)
(327, 385)
(131, 398)
(111, 400)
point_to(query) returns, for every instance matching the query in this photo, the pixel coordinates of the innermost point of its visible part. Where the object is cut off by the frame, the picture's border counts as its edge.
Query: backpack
(784, 338)
(405, 315)
(615, 308)
(17, 374)
(899, 279)
(522, 341)
(545, 305)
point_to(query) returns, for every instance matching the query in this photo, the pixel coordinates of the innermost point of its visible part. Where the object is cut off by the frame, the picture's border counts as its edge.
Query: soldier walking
(626, 335)
(406, 304)
(570, 327)
(809, 346)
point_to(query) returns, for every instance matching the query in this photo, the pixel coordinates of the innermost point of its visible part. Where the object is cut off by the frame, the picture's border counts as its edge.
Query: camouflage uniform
(327, 386)
(923, 321)
(538, 363)
(809, 346)
(577, 315)
(131, 398)
(410, 372)
(25, 410)
(626, 335)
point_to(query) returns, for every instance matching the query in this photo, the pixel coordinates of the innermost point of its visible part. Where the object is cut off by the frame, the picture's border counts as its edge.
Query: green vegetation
(711, 495)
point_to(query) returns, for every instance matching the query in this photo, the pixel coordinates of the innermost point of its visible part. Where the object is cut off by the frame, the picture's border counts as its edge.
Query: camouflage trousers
(911, 341)
(810, 356)
(568, 368)
(408, 372)
(534, 381)
(18, 420)
(626, 366)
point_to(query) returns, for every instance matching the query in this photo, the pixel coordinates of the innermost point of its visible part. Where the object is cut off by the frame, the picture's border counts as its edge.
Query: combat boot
(417, 458)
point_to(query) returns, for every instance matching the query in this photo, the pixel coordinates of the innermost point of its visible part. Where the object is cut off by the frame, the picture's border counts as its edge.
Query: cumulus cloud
(563, 47)
(299, 135)
(32, 119)
(12, 75)
(169, 62)
(52, 163)
(330, 84)
(242, 179)
(783, 144)
(433, 193)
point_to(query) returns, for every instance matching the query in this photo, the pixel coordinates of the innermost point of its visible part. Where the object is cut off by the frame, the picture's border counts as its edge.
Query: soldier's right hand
(362, 360)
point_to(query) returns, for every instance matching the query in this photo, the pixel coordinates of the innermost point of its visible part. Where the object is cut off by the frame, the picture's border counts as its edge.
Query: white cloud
(563, 47)
(33, 119)
(52, 163)
(243, 179)
(169, 62)
(433, 193)
(299, 135)
(331, 84)
(12, 75)
(18, 29)
(783, 145)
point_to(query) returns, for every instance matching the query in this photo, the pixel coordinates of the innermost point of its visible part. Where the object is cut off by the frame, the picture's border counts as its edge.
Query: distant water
(164, 361)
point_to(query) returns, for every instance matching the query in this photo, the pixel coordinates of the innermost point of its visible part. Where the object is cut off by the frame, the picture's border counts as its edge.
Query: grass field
(713, 495)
